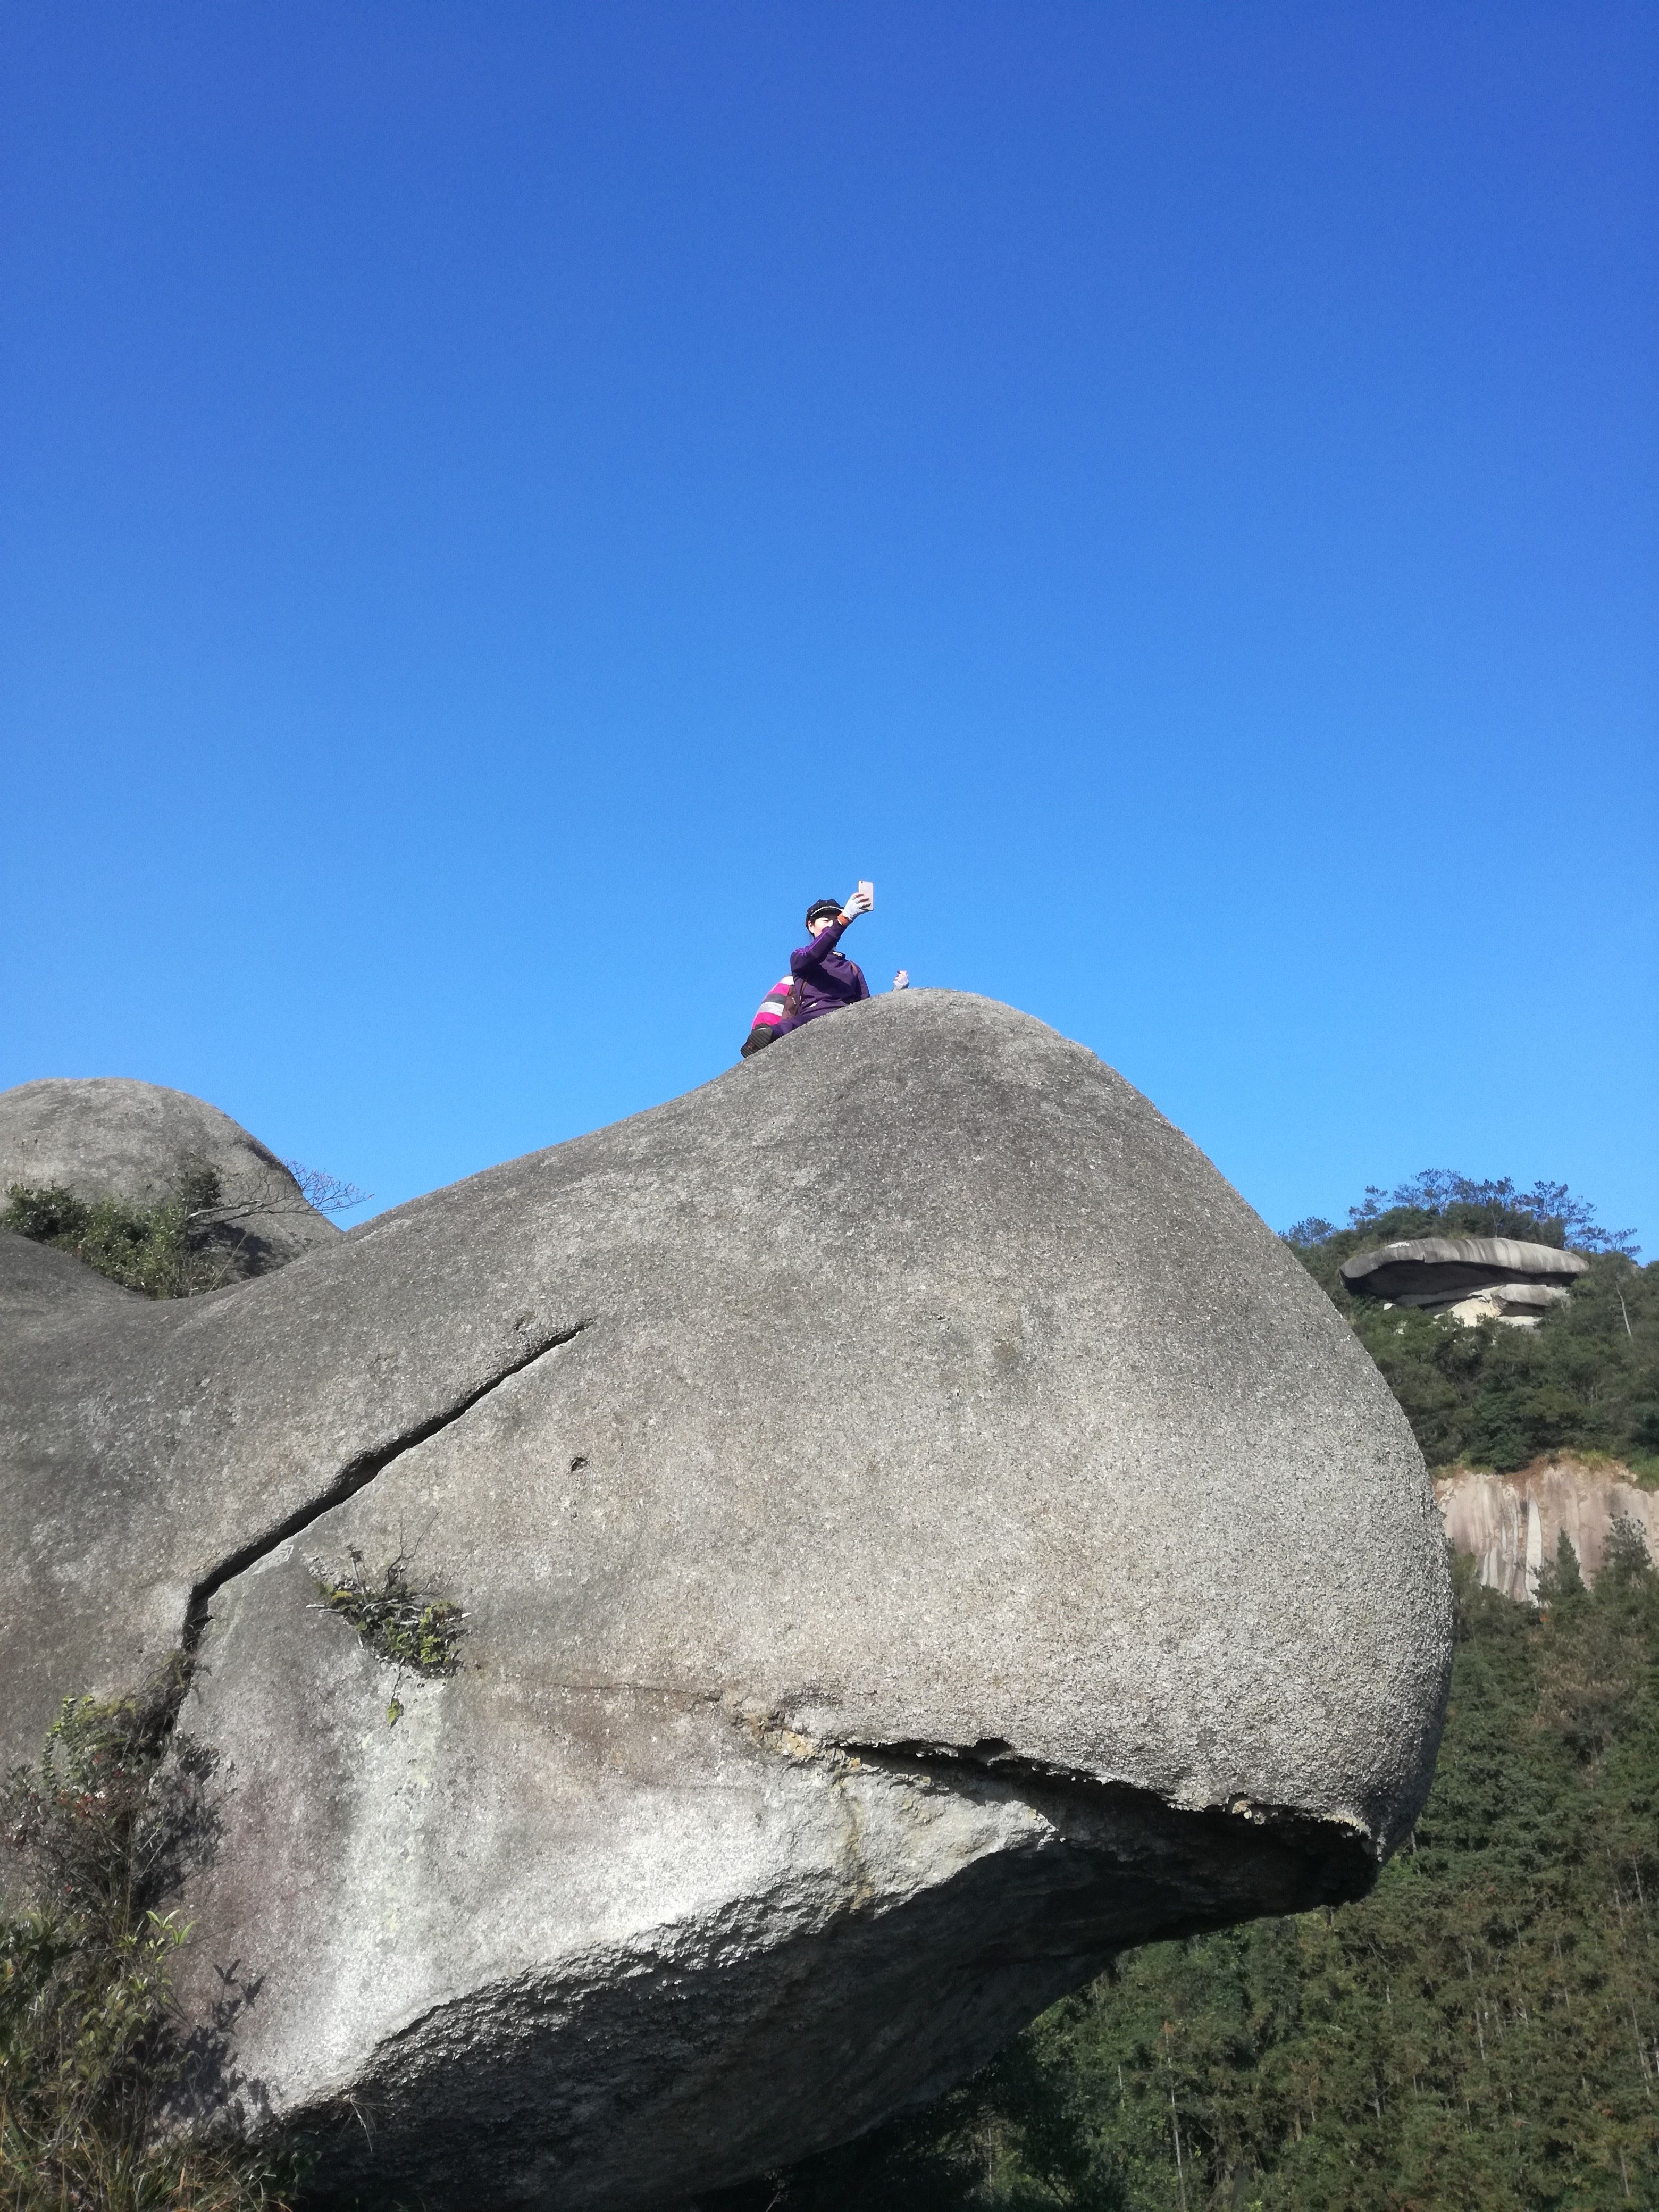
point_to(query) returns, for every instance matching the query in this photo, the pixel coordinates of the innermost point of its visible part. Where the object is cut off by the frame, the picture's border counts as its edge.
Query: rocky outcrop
(1470, 1278)
(107, 1137)
(1513, 1523)
(919, 1532)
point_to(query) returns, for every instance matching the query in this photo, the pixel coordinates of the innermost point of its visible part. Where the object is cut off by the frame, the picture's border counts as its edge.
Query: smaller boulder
(104, 1137)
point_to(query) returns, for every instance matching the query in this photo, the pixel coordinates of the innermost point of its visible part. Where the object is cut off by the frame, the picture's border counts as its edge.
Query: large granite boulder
(109, 1137)
(919, 1532)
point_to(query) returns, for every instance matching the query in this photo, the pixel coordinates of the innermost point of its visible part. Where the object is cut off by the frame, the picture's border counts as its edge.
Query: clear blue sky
(504, 503)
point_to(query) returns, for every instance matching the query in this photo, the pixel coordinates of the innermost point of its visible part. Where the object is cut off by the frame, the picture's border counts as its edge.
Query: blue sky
(503, 504)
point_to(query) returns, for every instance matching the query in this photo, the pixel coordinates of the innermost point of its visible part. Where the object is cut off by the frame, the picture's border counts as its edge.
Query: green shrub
(161, 1250)
(90, 2049)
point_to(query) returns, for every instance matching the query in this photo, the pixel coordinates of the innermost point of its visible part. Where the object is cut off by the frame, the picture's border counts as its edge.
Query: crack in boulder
(1329, 1862)
(356, 1476)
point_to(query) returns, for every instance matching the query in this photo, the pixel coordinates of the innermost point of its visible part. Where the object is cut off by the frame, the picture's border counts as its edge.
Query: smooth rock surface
(109, 1137)
(918, 1529)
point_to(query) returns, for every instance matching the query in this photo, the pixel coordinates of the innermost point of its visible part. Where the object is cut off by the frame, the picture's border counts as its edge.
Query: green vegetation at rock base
(99, 1838)
(197, 1239)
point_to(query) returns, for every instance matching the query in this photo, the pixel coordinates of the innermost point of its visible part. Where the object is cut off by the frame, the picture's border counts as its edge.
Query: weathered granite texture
(108, 1137)
(918, 1529)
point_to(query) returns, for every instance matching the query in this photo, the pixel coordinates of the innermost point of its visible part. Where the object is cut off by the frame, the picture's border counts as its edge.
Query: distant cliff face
(1512, 1524)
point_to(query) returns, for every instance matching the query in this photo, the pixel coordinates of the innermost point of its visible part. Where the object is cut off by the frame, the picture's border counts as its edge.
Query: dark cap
(830, 906)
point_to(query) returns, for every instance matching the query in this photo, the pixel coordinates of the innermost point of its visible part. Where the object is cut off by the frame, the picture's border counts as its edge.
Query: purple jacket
(827, 981)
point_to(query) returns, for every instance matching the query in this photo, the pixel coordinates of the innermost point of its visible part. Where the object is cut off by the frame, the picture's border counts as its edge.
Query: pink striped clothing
(769, 1013)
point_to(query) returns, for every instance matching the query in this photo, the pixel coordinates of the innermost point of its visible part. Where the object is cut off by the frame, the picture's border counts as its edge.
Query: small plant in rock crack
(408, 1629)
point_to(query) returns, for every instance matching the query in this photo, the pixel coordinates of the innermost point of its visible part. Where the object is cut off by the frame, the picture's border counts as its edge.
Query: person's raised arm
(827, 939)
(808, 957)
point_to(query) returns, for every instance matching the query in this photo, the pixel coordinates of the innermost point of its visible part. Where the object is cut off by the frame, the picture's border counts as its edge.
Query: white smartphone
(869, 890)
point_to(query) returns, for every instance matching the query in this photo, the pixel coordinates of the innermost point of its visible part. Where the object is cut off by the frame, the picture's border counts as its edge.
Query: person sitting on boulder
(801, 995)
(825, 981)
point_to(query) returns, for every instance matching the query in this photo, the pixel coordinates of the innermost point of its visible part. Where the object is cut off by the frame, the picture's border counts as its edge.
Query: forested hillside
(1483, 2031)
(1586, 1379)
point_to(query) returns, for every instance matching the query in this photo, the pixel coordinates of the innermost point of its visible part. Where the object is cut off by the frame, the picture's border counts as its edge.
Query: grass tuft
(408, 1629)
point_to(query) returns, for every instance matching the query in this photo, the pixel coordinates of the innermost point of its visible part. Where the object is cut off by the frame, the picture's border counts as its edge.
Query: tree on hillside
(1440, 1202)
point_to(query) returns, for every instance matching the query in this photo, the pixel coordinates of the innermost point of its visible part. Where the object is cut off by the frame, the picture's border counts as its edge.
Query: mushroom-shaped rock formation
(108, 1137)
(1472, 1278)
(918, 1531)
